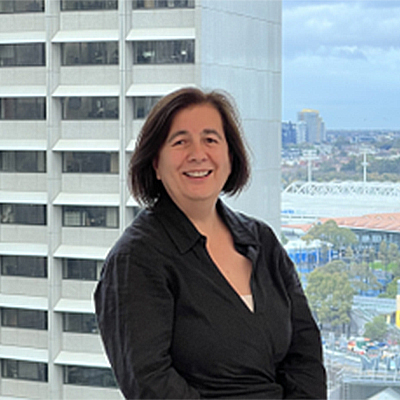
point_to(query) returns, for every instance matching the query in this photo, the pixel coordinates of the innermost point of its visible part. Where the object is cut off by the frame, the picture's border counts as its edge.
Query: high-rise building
(77, 78)
(289, 132)
(315, 132)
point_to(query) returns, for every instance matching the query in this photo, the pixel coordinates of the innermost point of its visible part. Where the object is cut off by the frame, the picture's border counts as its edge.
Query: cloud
(309, 25)
(342, 58)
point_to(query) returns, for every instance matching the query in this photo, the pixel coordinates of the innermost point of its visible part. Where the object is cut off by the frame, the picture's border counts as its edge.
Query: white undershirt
(248, 300)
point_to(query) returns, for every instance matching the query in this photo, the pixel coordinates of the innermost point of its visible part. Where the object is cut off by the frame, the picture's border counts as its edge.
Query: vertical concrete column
(53, 128)
(125, 104)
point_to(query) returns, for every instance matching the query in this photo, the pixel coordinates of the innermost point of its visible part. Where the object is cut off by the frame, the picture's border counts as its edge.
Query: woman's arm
(301, 373)
(135, 311)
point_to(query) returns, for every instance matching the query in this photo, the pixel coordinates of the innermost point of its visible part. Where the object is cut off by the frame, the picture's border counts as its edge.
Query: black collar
(185, 235)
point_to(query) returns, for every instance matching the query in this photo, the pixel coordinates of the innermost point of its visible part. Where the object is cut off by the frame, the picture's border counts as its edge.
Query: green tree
(383, 253)
(393, 255)
(363, 278)
(330, 232)
(349, 254)
(330, 295)
(377, 329)
(391, 290)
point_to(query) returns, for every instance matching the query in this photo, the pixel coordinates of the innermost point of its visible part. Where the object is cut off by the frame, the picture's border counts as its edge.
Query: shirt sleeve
(301, 373)
(135, 312)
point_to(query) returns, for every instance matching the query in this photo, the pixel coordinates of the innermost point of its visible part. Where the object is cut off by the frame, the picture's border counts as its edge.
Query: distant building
(301, 132)
(289, 133)
(370, 229)
(315, 132)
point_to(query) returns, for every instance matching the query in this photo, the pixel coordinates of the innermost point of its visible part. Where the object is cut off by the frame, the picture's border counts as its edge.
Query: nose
(197, 152)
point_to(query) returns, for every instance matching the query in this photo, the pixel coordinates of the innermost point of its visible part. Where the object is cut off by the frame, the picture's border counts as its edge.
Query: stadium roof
(388, 222)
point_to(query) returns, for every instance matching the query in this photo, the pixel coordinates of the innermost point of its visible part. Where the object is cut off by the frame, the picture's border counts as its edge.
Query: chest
(214, 329)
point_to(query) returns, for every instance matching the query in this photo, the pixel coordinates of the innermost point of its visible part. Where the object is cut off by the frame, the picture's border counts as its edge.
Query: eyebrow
(204, 132)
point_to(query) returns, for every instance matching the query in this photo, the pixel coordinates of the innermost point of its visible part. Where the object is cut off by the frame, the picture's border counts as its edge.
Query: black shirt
(173, 327)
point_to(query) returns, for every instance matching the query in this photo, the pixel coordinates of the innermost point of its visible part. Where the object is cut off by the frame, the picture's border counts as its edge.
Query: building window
(22, 161)
(376, 238)
(26, 319)
(163, 52)
(88, 53)
(82, 5)
(21, 6)
(143, 105)
(90, 216)
(162, 4)
(23, 214)
(80, 323)
(80, 108)
(26, 370)
(27, 266)
(33, 108)
(80, 269)
(22, 55)
(90, 162)
(86, 376)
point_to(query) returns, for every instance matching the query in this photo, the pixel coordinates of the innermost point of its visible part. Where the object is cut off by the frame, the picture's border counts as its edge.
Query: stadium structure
(307, 201)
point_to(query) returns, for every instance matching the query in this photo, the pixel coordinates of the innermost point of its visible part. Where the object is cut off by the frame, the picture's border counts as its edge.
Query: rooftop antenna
(365, 165)
(310, 156)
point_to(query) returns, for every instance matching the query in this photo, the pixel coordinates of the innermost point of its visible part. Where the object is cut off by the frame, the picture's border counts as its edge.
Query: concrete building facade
(77, 78)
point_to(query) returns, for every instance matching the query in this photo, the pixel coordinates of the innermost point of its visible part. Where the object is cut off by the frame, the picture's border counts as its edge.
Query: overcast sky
(343, 59)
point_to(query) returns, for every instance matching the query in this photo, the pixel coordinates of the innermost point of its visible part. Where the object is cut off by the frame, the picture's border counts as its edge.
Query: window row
(80, 323)
(23, 318)
(23, 108)
(99, 53)
(22, 161)
(73, 108)
(22, 55)
(23, 214)
(26, 6)
(36, 267)
(146, 4)
(72, 216)
(82, 5)
(37, 319)
(28, 266)
(21, 6)
(73, 162)
(72, 375)
(25, 370)
(90, 162)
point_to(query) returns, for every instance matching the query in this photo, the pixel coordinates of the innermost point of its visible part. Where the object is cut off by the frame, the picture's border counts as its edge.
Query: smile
(197, 174)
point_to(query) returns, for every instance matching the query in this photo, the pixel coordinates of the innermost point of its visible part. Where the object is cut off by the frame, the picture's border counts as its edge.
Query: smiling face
(194, 162)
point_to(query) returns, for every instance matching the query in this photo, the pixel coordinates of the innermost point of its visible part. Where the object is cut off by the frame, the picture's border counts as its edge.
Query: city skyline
(342, 58)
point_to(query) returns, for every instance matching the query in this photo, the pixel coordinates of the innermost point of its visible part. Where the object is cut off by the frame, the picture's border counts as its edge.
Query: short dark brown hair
(143, 183)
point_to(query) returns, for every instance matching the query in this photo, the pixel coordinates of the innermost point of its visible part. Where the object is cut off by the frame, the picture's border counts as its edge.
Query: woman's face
(194, 162)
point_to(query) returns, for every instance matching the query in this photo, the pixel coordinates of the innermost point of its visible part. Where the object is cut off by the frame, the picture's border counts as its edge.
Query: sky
(342, 58)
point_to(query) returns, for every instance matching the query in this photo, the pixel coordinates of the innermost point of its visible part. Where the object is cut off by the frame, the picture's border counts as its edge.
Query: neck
(203, 215)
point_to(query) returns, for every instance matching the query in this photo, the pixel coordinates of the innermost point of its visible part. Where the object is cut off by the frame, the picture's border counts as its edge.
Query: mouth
(197, 174)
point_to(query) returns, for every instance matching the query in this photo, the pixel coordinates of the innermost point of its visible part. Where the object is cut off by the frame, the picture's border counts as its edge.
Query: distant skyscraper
(77, 79)
(301, 132)
(289, 133)
(315, 132)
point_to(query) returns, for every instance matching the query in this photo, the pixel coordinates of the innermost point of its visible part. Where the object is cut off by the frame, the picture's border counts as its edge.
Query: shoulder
(245, 224)
(140, 238)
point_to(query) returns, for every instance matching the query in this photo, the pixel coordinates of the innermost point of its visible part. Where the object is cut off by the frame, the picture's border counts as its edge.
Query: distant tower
(398, 305)
(315, 125)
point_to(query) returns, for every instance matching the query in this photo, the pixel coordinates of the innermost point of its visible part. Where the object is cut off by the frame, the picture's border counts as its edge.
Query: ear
(155, 166)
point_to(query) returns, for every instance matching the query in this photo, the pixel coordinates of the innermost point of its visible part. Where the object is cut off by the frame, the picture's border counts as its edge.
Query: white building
(77, 77)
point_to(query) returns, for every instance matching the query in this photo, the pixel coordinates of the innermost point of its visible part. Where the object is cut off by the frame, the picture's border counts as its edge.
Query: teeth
(197, 174)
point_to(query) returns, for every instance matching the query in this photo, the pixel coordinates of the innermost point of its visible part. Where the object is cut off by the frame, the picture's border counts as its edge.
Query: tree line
(330, 288)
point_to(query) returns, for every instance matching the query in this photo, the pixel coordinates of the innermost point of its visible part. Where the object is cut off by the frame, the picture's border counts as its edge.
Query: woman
(195, 300)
